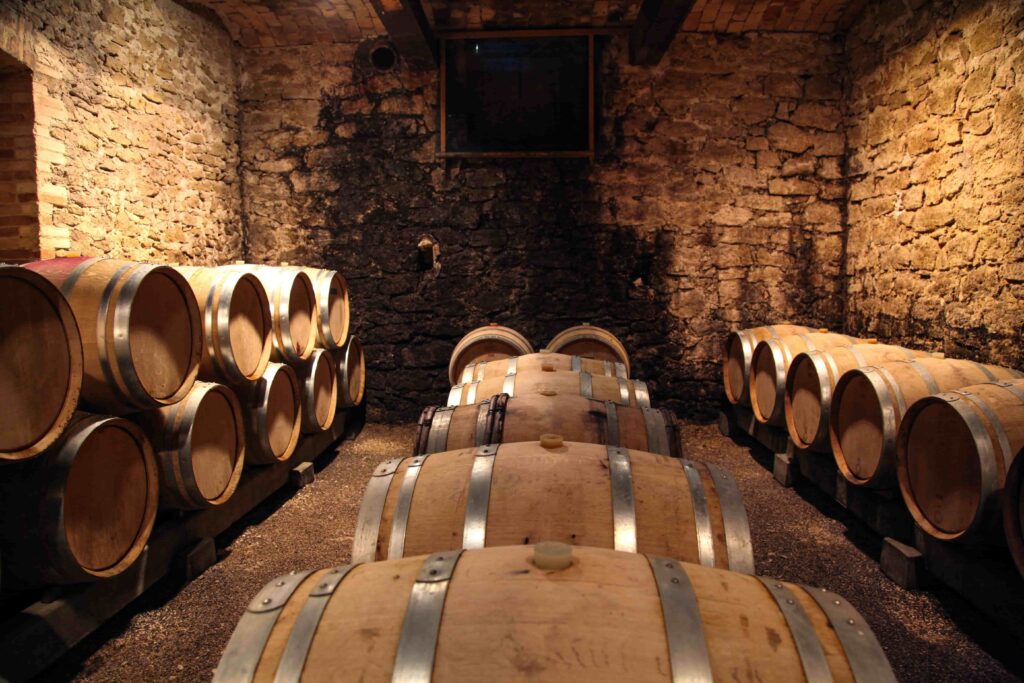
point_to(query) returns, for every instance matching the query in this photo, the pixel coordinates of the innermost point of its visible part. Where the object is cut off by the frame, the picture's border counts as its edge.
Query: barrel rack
(985, 578)
(33, 637)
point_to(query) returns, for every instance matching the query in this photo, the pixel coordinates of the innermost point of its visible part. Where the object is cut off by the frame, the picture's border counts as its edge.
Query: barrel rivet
(280, 583)
(433, 572)
(675, 580)
(333, 571)
(324, 584)
(837, 602)
(851, 622)
(778, 584)
(267, 601)
(790, 601)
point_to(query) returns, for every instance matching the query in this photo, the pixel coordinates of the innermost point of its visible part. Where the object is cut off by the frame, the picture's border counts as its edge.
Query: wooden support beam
(656, 25)
(407, 25)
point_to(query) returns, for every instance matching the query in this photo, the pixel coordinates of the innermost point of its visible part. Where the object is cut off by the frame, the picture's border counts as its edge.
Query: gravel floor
(177, 632)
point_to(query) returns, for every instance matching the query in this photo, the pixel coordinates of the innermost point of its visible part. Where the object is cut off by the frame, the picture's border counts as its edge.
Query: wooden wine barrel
(738, 351)
(576, 493)
(142, 337)
(625, 392)
(292, 309)
(953, 451)
(588, 341)
(501, 419)
(545, 360)
(40, 363)
(271, 408)
(332, 307)
(547, 612)
(236, 324)
(318, 384)
(84, 509)
(812, 378)
(200, 446)
(868, 405)
(488, 343)
(351, 364)
(1013, 511)
(770, 363)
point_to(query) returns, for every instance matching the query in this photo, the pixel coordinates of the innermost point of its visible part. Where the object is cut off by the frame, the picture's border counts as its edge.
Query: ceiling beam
(407, 25)
(656, 25)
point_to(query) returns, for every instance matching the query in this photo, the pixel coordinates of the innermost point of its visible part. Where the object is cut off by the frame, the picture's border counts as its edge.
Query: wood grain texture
(600, 619)
(561, 494)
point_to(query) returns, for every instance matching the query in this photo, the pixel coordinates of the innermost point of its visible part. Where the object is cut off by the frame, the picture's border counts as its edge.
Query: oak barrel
(546, 360)
(810, 382)
(576, 493)
(501, 419)
(625, 392)
(488, 343)
(84, 509)
(332, 307)
(588, 341)
(41, 367)
(953, 452)
(142, 337)
(351, 364)
(868, 405)
(200, 447)
(271, 408)
(292, 309)
(738, 351)
(549, 613)
(318, 385)
(1013, 511)
(236, 324)
(770, 363)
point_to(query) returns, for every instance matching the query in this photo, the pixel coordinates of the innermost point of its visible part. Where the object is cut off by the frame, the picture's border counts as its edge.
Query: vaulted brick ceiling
(269, 23)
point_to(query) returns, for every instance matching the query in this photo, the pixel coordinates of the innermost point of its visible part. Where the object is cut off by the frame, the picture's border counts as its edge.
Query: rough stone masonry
(716, 199)
(871, 183)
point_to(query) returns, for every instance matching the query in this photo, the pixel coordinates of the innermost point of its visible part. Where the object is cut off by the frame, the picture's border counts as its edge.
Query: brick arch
(277, 23)
(37, 156)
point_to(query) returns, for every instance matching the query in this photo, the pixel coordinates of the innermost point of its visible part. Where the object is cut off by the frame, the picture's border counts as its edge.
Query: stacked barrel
(133, 387)
(945, 432)
(545, 526)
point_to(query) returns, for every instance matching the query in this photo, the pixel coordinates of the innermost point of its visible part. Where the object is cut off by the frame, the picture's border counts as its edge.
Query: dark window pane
(516, 94)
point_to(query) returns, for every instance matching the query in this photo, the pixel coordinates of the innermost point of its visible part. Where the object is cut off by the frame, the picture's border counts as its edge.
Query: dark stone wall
(714, 202)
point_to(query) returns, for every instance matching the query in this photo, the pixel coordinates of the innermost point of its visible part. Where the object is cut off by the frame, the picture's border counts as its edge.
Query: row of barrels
(546, 527)
(945, 432)
(132, 387)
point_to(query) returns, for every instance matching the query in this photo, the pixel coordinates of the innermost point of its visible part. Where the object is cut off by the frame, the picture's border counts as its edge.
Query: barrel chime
(945, 432)
(546, 526)
(105, 421)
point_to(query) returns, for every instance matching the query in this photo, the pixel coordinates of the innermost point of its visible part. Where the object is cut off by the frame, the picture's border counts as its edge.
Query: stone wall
(936, 135)
(19, 221)
(136, 150)
(716, 200)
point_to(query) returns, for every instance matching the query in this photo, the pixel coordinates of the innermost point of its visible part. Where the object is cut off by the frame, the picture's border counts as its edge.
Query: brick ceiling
(269, 23)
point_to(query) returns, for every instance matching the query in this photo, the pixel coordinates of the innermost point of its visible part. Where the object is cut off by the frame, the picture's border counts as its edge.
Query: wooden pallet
(36, 635)
(882, 511)
(984, 577)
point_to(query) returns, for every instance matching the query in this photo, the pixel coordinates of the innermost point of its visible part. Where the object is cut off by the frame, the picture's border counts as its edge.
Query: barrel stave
(484, 344)
(71, 515)
(869, 403)
(588, 341)
(551, 621)
(42, 370)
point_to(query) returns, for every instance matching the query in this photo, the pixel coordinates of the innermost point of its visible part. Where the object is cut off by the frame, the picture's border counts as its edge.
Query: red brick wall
(19, 211)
